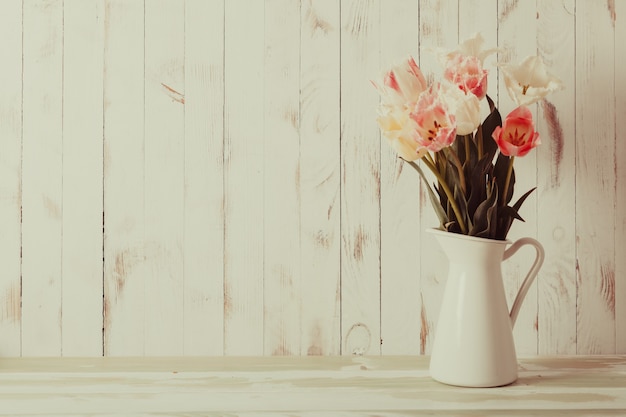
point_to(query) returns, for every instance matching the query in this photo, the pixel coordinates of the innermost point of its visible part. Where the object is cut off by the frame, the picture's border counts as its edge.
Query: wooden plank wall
(206, 177)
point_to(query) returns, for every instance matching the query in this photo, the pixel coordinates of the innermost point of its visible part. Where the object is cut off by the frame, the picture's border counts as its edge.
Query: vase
(473, 344)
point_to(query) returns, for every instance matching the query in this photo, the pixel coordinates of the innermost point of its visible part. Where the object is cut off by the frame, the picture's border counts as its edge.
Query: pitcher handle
(530, 277)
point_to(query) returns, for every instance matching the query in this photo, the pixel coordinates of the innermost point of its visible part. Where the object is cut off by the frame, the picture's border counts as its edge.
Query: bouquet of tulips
(440, 125)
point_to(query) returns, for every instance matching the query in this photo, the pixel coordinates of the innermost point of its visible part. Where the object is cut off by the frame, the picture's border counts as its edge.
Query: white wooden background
(206, 177)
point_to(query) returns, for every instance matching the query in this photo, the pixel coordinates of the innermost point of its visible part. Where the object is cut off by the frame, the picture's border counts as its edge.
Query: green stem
(479, 141)
(429, 157)
(451, 154)
(507, 181)
(449, 194)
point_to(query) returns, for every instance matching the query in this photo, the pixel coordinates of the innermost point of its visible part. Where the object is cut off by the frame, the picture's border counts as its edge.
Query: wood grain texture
(243, 177)
(517, 34)
(249, 204)
(438, 28)
(204, 182)
(124, 247)
(281, 187)
(42, 180)
(164, 175)
(556, 220)
(399, 203)
(11, 178)
(620, 179)
(83, 31)
(313, 386)
(360, 179)
(320, 197)
(595, 178)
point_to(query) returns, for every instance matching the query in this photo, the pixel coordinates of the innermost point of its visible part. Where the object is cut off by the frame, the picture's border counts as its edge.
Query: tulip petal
(530, 81)
(517, 135)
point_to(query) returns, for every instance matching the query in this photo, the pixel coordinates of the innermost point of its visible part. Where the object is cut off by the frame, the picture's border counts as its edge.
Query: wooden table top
(301, 386)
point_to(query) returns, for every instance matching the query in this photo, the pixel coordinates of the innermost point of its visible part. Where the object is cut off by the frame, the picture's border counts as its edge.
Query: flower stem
(430, 159)
(451, 154)
(507, 181)
(449, 194)
(479, 142)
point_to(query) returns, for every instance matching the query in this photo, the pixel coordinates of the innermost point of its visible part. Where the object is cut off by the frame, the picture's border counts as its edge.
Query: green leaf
(521, 200)
(441, 214)
(492, 219)
(462, 203)
(511, 213)
(492, 105)
(477, 177)
(499, 172)
(492, 121)
(483, 217)
(508, 214)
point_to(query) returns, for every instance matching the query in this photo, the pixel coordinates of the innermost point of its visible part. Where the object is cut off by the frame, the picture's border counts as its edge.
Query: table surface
(302, 386)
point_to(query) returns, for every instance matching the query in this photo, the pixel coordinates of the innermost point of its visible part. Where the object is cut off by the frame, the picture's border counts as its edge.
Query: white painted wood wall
(206, 177)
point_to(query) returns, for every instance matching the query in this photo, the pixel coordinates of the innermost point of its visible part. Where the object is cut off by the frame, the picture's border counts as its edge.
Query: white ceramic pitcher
(473, 343)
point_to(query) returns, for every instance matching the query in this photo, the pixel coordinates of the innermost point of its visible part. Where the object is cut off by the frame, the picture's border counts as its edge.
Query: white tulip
(529, 81)
(400, 130)
(464, 106)
(470, 47)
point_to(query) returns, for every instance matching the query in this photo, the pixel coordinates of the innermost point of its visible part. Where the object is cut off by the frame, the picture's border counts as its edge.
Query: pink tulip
(436, 126)
(466, 72)
(402, 84)
(517, 135)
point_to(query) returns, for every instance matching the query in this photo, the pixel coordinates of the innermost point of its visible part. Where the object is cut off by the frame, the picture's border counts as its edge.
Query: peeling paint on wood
(507, 7)
(315, 21)
(316, 347)
(360, 241)
(11, 100)
(175, 95)
(556, 139)
(424, 328)
(11, 303)
(358, 17)
(607, 286)
(610, 5)
(348, 218)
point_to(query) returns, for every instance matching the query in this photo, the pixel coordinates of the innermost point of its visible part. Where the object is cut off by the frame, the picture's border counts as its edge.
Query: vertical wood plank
(234, 205)
(42, 185)
(477, 16)
(320, 178)
(124, 258)
(204, 188)
(620, 177)
(595, 185)
(438, 28)
(556, 222)
(243, 177)
(399, 203)
(10, 177)
(281, 195)
(164, 175)
(595, 177)
(82, 177)
(360, 175)
(517, 29)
